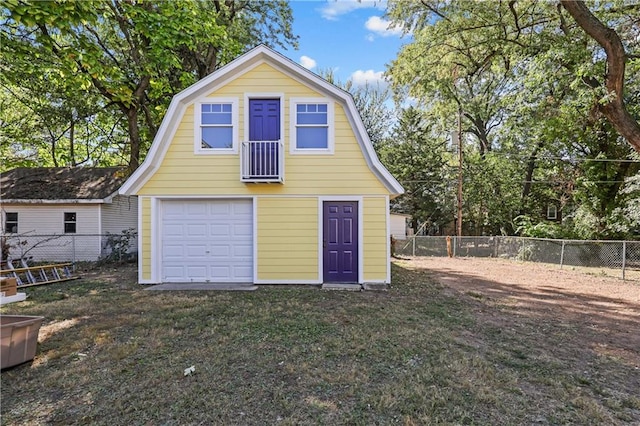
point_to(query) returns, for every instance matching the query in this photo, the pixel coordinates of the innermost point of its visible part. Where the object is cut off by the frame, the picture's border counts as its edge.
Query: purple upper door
(340, 241)
(264, 126)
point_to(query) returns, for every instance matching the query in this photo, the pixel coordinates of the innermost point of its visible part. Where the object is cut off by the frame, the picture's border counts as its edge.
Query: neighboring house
(553, 213)
(399, 225)
(63, 214)
(263, 172)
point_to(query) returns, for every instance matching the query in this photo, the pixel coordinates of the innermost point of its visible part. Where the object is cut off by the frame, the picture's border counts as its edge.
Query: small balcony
(262, 161)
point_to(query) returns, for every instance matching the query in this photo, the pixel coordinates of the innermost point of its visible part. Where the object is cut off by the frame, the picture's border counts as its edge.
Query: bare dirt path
(599, 312)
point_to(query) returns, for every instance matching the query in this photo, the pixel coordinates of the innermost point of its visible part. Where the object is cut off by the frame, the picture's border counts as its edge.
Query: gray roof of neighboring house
(60, 183)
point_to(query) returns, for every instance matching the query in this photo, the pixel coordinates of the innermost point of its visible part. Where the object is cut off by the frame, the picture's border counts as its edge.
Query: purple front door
(264, 126)
(340, 241)
(264, 119)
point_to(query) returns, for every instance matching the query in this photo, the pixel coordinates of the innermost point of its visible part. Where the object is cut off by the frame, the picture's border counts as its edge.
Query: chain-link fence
(70, 247)
(619, 255)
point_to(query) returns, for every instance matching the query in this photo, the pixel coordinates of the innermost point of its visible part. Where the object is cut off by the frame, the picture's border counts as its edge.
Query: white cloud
(307, 62)
(333, 9)
(370, 77)
(382, 27)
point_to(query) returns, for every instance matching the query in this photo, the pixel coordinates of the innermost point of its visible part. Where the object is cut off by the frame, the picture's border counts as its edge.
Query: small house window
(552, 212)
(69, 223)
(216, 126)
(11, 223)
(312, 126)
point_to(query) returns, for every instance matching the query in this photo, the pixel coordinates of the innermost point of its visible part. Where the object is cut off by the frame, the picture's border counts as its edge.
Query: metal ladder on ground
(26, 275)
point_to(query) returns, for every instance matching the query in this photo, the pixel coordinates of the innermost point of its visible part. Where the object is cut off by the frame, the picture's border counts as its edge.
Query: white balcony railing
(262, 161)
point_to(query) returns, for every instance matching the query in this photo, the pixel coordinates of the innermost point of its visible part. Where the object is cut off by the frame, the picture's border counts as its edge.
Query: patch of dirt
(55, 327)
(598, 312)
(126, 273)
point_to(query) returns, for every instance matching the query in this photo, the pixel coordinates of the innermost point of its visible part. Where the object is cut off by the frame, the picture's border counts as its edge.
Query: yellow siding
(146, 238)
(287, 238)
(343, 173)
(374, 239)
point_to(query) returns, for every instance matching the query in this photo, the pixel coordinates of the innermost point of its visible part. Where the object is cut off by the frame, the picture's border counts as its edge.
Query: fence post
(624, 258)
(455, 245)
(562, 254)
(413, 252)
(73, 249)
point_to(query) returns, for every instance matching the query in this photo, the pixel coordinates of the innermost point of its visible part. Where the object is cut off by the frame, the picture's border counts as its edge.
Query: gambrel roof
(253, 58)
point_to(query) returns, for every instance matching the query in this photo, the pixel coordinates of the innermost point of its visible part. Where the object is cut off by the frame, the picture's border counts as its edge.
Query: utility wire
(576, 160)
(522, 181)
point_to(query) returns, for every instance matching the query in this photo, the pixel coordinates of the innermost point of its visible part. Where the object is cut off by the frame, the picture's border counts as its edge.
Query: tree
(48, 125)
(510, 34)
(613, 104)
(626, 218)
(527, 75)
(418, 158)
(137, 55)
(372, 102)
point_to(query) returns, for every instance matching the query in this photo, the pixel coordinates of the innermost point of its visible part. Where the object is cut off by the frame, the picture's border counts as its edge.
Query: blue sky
(350, 37)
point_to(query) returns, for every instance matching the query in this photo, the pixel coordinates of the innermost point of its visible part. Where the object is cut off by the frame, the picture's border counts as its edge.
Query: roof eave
(43, 201)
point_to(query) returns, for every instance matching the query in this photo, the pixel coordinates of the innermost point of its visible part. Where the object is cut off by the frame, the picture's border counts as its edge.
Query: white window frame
(65, 222)
(197, 126)
(552, 212)
(5, 225)
(293, 148)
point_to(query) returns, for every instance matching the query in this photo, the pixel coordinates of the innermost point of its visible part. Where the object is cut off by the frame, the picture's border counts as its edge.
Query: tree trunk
(479, 129)
(72, 155)
(615, 109)
(54, 147)
(531, 167)
(134, 139)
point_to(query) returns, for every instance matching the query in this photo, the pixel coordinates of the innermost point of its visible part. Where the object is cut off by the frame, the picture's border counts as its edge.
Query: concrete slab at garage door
(207, 241)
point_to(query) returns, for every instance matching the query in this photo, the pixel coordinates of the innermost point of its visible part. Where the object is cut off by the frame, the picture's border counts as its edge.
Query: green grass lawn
(417, 354)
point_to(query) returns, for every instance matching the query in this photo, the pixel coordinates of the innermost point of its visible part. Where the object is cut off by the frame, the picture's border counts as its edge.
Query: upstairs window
(11, 223)
(69, 223)
(216, 126)
(312, 128)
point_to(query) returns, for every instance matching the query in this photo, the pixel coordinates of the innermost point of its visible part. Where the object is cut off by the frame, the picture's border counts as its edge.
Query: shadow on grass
(417, 354)
(600, 320)
(592, 341)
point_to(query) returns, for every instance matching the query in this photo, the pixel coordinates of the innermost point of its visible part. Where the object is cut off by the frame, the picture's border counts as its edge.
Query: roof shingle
(60, 183)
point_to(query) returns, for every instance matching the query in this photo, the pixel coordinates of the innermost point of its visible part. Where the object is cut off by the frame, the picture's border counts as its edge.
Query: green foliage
(372, 102)
(418, 158)
(527, 226)
(527, 83)
(127, 59)
(625, 219)
(491, 194)
(118, 246)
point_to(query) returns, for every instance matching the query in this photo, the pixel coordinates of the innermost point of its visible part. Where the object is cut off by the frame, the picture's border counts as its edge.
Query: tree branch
(512, 8)
(434, 10)
(615, 109)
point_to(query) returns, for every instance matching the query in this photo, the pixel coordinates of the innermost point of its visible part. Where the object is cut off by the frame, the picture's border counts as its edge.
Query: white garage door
(207, 241)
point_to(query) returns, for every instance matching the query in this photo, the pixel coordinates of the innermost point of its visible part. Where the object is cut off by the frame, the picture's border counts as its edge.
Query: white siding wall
(120, 214)
(398, 226)
(49, 220)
